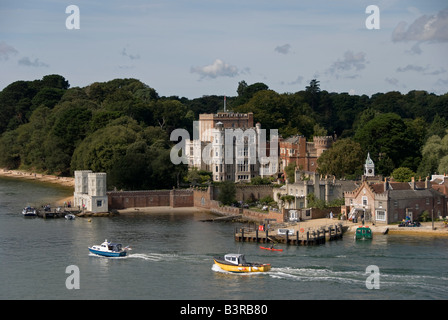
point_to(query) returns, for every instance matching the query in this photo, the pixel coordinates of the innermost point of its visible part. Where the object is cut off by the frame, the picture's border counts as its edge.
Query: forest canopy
(122, 127)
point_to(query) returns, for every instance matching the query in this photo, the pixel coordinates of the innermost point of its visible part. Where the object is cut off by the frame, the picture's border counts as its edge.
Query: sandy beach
(19, 174)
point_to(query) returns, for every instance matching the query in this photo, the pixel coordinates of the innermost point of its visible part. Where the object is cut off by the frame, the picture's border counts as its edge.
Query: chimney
(386, 184)
(427, 183)
(412, 184)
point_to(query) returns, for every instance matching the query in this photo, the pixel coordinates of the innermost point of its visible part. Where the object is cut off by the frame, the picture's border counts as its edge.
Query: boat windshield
(235, 258)
(115, 247)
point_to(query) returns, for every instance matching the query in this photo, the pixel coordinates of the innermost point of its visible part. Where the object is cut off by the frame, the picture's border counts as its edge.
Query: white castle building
(90, 191)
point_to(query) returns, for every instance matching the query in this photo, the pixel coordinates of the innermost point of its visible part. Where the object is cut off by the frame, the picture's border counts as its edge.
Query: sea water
(172, 258)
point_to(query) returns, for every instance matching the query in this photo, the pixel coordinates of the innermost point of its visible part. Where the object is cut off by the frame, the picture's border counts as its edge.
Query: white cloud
(130, 56)
(424, 28)
(411, 67)
(6, 51)
(217, 69)
(284, 49)
(25, 61)
(351, 62)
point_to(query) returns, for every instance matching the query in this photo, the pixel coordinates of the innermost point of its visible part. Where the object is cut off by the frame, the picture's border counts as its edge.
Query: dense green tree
(434, 150)
(389, 142)
(403, 174)
(344, 158)
(227, 192)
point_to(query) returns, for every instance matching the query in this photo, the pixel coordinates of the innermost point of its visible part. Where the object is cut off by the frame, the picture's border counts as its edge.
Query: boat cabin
(107, 246)
(235, 258)
(363, 233)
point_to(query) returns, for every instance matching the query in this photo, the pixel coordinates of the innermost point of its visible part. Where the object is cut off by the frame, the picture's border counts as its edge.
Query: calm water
(172, 259)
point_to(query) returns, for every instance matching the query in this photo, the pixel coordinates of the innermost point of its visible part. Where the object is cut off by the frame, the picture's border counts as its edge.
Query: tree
(344, 158)
(314, 87)
(403, 174)
(433, 151)
(313, 93)
(290, 171)
(227, 192)
(268, 109)
(246, 92)
(389, 141)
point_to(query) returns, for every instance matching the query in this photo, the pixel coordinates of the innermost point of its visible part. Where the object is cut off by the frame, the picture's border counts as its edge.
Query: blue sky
(205, 47)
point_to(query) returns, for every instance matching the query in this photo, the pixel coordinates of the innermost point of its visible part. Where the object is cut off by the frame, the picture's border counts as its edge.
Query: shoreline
(424, 230)
(33, 176)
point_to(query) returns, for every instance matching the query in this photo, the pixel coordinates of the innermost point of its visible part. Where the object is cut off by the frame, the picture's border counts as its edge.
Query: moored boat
(29, 212)
(70, 216)
(363, 233)
(235, 262)
(108, 249)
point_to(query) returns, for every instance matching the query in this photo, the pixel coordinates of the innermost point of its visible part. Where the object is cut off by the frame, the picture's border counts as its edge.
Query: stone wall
(150, 198)
(248, 192)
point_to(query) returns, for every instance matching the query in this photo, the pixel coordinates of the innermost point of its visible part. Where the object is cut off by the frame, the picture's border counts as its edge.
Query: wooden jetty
(298, 237)
(55, 213)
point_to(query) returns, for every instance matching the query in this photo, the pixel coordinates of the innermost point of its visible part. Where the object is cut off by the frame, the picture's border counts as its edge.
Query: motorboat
(29, 212)
(109, 249)
(235, 262)
(70, 216)
(363, 233)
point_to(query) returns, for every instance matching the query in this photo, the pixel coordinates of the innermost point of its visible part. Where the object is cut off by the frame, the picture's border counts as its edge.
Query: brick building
(389, 202)
(296, 149)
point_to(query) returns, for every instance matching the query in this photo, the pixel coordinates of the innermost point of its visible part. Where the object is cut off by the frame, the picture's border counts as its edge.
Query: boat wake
(154, 256)
(317, 274)
(358, 278)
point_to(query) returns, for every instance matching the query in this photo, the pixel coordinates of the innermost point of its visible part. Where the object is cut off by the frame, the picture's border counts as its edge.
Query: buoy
(90, 220)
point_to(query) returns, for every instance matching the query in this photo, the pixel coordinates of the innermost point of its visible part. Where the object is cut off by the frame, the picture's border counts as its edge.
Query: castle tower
(369, 167)
(322, 143)
(90, 191)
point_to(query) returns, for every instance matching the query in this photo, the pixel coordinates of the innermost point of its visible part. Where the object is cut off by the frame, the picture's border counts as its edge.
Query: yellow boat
(235, 262)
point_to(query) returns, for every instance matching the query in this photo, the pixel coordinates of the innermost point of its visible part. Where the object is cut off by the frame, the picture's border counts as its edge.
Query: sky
(206, 47)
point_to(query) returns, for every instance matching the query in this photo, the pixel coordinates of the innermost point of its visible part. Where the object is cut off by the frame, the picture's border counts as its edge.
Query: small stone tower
(90, 191)
(369, 167)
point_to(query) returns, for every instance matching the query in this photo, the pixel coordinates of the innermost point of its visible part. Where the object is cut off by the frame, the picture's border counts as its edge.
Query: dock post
(267, 236)
(256, 235)
(297, 237)
(242, 234)
(287, 236)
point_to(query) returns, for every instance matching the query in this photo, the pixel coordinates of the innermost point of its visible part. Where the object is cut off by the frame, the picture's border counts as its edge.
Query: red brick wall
(150, 198)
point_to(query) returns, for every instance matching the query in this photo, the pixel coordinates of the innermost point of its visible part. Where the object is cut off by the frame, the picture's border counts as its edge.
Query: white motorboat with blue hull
(29, 212)
(108, 249)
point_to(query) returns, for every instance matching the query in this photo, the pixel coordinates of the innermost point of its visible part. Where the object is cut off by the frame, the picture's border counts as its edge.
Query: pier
(290, 236)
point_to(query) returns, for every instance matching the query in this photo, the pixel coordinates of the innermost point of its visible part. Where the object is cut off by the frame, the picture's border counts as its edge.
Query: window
(381, 215)
(364, 200)
(99, 203)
